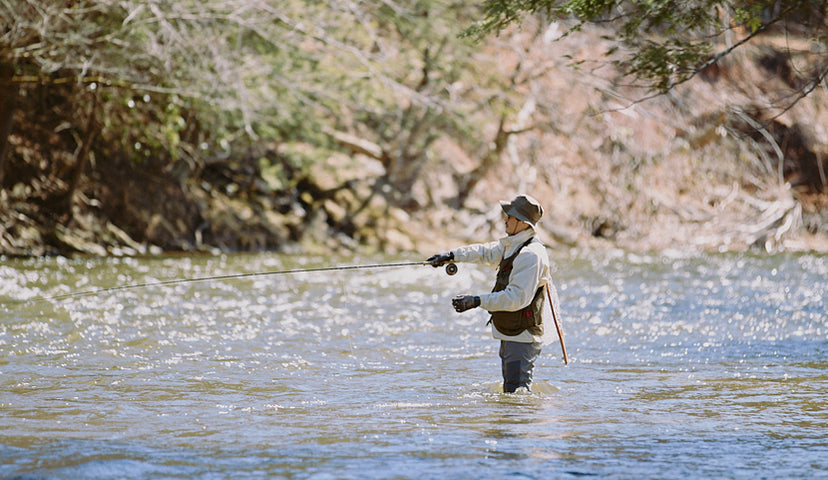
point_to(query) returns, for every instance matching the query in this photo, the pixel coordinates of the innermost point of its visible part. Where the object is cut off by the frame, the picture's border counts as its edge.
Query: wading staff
(451, 269)
(557, 325)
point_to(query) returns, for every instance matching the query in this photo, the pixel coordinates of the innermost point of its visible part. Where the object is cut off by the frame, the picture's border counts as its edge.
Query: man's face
(513, 225)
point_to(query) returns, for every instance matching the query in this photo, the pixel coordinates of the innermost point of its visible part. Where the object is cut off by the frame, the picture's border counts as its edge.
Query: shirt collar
(512, 242)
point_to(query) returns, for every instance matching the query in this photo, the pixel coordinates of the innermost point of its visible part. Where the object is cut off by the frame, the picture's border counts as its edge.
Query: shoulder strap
(527, 242)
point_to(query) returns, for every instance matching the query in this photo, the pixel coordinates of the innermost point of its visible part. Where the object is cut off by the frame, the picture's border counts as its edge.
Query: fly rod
(451, 269)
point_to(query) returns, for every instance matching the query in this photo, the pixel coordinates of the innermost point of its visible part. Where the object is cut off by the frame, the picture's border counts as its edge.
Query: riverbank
(323, 226)
(707, 167)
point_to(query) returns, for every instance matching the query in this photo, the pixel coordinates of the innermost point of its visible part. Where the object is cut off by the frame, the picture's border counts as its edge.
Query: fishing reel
(442, 259)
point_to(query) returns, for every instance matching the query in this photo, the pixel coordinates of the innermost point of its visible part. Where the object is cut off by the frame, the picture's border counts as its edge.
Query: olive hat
(524, 208)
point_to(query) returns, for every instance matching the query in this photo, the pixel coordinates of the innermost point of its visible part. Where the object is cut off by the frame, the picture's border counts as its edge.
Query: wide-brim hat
(524, 208)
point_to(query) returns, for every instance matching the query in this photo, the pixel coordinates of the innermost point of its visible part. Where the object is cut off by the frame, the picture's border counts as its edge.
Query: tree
(661, 44)
(245, 70)
(147, 86)
(389, 79)
(390, 75)
(668, 42)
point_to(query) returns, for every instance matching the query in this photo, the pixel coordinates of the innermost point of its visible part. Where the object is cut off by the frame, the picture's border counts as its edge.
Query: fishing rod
(451, 269)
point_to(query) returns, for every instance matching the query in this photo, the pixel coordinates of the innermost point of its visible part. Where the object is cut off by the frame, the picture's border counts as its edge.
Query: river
(682, 365)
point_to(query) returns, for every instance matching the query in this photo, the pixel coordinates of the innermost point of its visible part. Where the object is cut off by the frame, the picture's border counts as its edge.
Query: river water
(681, 366)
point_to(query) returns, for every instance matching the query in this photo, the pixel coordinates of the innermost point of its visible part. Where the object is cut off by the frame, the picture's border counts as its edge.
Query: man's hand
(440, 259)
(461, 303)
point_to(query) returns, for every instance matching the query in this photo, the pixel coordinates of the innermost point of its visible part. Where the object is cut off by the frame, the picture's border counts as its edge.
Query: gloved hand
(440, 259)
(461, 303)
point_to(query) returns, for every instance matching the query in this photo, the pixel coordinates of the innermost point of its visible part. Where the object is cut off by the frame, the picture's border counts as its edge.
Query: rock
(339, 169)
(124, 239)
(335, 212)
(397, 241)
(316, 230)
(70, 242)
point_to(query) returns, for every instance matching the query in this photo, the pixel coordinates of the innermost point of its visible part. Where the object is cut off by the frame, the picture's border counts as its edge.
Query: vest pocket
(527, 318)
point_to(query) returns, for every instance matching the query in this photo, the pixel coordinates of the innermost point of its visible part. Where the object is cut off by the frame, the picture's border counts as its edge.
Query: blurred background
(132, 127)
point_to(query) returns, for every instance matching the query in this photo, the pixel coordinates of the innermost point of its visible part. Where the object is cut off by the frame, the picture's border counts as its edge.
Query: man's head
(524, 209)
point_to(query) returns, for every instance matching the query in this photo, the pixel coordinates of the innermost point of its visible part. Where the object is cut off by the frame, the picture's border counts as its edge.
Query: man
(516, 304)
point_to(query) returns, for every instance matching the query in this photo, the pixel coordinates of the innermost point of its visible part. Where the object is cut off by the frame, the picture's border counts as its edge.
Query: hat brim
(509, 209)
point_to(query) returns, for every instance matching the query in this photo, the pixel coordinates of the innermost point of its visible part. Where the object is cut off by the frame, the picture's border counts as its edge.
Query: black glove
(440, 259)
(461, 303)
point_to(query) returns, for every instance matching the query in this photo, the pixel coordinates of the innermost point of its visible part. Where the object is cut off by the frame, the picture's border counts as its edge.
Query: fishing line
(451, 269)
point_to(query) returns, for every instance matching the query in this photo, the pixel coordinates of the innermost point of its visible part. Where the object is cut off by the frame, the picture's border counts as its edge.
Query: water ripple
(682, 366)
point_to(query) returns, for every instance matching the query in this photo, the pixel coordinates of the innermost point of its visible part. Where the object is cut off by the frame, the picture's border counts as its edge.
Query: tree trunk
(81, 159)
(8, 100)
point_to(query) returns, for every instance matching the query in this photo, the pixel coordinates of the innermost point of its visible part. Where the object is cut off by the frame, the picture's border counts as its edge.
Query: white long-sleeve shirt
(530, 270)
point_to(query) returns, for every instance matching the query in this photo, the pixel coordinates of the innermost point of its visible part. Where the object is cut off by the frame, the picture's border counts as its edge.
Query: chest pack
(527, 318)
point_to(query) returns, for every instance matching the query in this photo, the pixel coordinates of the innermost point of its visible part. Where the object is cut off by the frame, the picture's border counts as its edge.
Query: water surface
(681, 366)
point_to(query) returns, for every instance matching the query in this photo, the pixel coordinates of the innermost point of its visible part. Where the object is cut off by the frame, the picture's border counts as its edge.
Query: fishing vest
(527, 318)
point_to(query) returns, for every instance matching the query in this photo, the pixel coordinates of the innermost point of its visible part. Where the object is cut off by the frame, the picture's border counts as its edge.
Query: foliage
(670, 41)
(218, 75)
(186, 103)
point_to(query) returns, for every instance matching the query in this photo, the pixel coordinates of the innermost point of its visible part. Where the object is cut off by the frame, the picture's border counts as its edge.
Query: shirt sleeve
(527, 271)
(487, 253)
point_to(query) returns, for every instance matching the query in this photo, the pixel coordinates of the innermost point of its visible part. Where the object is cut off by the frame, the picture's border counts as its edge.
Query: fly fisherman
(517, 302)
